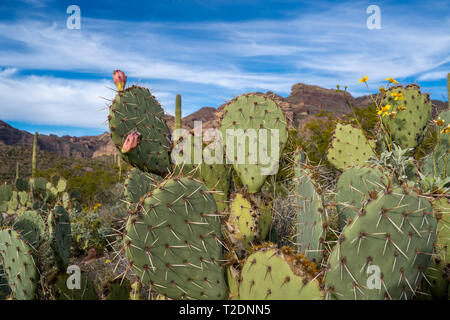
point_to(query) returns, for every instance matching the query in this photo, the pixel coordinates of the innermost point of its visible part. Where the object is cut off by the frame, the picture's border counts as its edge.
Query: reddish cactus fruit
(131, 142)
(120, 79)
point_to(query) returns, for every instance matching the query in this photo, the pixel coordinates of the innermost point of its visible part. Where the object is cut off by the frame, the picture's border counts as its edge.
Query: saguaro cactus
(34, 156)
(177, 124)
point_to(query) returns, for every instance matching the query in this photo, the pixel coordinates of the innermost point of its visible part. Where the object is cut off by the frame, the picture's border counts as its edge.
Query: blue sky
(57, 80)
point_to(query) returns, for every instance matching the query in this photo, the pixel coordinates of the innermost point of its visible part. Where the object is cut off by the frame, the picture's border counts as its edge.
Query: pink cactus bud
(120, 79)
(132, 141)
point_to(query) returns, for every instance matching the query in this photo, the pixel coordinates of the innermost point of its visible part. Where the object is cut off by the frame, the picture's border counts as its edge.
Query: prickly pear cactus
(31, 227)
(248, 115)
(349, 147)
(138, 184)
(385, 251)
(136, 110)
(249, 220)
(355, 187)
(60, 235)
(18, 264)
(413, 111)
(310, 225)
(277, 274)
(173, 241)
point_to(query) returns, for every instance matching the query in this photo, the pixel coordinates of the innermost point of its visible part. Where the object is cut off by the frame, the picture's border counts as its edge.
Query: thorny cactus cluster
(204, 231)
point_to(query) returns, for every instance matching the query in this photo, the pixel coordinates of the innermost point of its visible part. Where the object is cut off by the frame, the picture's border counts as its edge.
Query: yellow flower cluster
(397, 95)
(391, 80)
(384, 110)
(98, 205)
(364, 79)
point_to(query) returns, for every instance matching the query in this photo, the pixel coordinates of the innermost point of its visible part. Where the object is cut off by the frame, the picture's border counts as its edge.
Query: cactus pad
(18, 265)
(393, 235)
(250, 219)
(252, 113)
(355, 187)
(311, 230)
(138, 184)
(276, 274)
(173, 241)
(408, 125)
(31, 227)
(137, 110)
(349, 147)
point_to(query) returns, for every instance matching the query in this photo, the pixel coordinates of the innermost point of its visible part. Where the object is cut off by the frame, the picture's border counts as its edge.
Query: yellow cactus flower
(391, 80)
(364, 79)
(439, 122)
(401, 108)
(397, 95)
(384, 110)
(107, 261)
(446, 129)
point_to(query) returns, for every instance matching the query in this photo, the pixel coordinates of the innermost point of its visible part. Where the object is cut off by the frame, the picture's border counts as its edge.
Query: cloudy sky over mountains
(55, 79)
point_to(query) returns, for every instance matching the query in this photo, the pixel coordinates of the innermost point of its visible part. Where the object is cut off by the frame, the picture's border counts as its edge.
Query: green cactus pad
(60, 235)
(136, 109)
(18, 264)
(311, 230)
(62, 292)
(276, 274)
(354, 188)
(393, 237)
(22, 184)
(249, 220)
(217, 178)
(5, 195)
(31, 227)
(349, 147)
(173, 241)
(138, 184)
(408, 126)
(257, 112)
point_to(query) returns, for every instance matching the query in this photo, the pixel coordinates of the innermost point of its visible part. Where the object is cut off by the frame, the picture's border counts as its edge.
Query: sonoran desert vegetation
(358, 208)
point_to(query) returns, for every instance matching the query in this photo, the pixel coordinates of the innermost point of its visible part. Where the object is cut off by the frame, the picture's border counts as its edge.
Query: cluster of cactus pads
(199, 231)
(36, 226)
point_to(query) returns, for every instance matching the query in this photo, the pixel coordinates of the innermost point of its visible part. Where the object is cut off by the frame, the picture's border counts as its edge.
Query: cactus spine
(34, 156)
